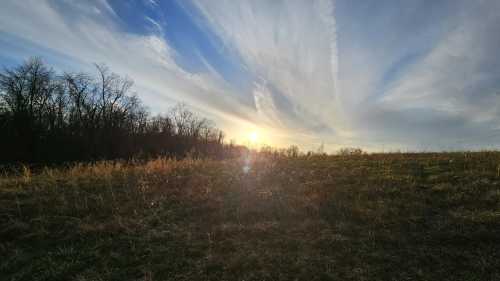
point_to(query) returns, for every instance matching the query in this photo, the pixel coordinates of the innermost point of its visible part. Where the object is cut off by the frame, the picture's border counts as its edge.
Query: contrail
(327, 14)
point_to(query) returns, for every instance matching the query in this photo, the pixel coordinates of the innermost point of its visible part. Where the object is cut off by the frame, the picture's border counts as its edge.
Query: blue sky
(392, 75)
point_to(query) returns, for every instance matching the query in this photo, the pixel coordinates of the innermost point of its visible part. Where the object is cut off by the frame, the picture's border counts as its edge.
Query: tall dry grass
(350, 217)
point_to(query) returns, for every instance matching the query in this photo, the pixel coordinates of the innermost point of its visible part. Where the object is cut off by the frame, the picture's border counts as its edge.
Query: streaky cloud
(404, 75)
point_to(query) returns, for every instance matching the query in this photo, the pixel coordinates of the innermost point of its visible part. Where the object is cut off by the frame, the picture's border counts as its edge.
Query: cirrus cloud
(419, 75)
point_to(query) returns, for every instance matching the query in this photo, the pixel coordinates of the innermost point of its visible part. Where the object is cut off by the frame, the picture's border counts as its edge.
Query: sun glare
(253, 137)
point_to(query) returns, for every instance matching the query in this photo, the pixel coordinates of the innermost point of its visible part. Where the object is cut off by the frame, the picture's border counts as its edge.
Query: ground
(361, 217)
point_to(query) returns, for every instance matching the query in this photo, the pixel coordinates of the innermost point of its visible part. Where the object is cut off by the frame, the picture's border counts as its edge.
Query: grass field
(369, 217)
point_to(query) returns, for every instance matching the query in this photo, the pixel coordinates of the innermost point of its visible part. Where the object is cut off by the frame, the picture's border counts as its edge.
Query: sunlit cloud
(147, 58)
(290, 47)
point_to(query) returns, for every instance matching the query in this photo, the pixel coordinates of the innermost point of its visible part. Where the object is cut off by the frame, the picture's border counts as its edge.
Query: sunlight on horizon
(253, 137)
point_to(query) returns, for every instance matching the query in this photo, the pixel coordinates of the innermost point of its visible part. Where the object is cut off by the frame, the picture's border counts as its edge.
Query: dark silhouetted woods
(47, 117)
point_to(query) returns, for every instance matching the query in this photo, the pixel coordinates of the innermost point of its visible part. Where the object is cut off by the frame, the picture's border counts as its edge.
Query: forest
(49, 117)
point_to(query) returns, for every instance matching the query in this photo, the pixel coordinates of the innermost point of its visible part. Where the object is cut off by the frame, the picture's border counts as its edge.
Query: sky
(385, 75)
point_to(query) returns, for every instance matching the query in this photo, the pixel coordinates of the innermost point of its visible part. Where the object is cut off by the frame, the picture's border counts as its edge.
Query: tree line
(46, 117)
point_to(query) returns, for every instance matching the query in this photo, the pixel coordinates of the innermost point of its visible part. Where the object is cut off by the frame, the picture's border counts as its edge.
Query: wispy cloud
(373, 74)
(290, 47)
(449, 97)
(147, 58)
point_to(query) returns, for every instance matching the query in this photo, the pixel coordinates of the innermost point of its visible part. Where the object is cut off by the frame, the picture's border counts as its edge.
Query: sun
(253, 137)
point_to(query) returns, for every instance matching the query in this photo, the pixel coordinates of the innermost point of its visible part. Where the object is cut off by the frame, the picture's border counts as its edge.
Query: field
(369, 217)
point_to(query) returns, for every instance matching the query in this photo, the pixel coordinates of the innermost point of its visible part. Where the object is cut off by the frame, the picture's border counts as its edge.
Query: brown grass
(366, 217)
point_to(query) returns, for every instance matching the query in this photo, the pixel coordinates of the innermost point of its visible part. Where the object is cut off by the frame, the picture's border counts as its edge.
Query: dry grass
(371, 217)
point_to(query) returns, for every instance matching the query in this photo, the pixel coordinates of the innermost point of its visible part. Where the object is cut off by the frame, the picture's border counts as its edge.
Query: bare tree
(77, 116)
